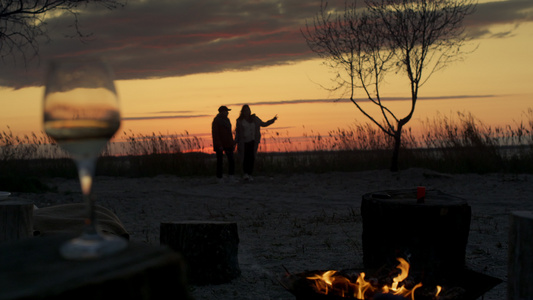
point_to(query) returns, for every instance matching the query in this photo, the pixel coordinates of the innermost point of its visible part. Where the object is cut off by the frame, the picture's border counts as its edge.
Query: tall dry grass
(458, 143)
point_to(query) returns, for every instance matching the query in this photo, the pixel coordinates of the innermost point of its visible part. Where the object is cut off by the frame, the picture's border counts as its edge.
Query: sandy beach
(300, 221)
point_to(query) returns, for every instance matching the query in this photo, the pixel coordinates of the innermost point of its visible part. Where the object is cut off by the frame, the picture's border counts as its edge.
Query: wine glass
(81, 113)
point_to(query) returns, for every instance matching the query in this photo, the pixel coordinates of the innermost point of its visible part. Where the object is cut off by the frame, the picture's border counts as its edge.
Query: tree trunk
(396, 150)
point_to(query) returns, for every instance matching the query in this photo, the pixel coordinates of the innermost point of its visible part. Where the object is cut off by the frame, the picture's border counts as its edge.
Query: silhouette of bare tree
(414, 38)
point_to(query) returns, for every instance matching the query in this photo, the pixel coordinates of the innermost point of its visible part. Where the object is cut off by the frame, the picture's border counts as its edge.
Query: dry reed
(460, 144)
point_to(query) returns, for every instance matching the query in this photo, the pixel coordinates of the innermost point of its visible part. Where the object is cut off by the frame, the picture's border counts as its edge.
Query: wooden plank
(34, 269)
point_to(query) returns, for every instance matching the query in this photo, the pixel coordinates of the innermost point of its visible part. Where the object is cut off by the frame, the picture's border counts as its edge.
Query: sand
(301, 221)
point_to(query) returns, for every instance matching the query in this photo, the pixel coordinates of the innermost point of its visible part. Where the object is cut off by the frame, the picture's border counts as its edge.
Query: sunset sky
(176, 62)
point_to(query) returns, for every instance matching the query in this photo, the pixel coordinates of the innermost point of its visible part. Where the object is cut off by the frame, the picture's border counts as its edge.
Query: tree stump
(520, 272)
(34, 269)
(210, 249)
(16, 219)
(431, 234)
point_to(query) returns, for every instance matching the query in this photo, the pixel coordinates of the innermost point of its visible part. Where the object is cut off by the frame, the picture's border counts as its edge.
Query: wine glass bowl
(81, 113)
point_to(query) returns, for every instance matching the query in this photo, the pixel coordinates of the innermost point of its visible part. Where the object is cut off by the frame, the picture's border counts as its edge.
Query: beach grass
(461, 144)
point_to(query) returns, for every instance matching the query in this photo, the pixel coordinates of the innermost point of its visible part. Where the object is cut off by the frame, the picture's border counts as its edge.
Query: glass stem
(86, 169)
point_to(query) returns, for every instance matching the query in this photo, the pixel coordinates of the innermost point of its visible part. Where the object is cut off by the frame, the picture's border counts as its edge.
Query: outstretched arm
(269, 122)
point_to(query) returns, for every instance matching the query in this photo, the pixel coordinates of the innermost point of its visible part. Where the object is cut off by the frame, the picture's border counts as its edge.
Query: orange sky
(496, 77)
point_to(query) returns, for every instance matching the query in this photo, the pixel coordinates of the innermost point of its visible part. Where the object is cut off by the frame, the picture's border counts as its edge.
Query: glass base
(92, 246)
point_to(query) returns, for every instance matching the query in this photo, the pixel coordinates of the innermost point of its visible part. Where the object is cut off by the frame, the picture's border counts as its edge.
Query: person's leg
(248, 158)
(252, 158)
(219, 163)
(231, 161)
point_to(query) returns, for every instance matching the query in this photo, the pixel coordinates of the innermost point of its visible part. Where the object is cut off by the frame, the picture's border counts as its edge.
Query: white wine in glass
(81, 113)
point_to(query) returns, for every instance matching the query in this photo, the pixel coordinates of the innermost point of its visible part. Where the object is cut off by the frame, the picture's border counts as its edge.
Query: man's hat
(223, 108)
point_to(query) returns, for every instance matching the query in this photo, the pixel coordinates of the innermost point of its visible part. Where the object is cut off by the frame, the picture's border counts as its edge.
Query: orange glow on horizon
(497, 74)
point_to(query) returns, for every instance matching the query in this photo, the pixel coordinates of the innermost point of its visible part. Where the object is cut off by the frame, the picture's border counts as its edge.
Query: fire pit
(384, 285)
(400, 228)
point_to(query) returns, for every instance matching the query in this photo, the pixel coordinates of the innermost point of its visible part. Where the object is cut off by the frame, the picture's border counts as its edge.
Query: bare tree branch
(411, 37)
(23, 23)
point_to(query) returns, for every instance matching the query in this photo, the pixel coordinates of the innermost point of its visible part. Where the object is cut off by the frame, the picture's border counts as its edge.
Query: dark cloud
(191, 114)
(168, 114)
(164, 117)
(163, 38)
(311, 101)
(510, 12)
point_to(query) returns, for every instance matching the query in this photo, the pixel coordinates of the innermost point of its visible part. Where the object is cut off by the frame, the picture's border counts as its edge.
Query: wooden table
(33, 269)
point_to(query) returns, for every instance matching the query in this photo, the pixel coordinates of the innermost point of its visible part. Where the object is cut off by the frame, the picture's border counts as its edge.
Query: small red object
(420, 194)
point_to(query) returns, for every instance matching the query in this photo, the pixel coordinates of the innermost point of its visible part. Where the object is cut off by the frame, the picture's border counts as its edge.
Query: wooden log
(70, 219)
(520, 266)
(34, 269)
(210, 249)
(16, 219)
(432, 235)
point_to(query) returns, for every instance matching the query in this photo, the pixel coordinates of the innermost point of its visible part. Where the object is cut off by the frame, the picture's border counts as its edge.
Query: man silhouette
(223, 141)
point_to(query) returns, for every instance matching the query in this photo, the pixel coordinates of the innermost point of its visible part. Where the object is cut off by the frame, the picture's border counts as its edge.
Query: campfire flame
(439, 289)
(331, 283)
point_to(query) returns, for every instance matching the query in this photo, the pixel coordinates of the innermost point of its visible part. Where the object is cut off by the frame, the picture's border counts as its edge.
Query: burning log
(520, 256)
(466, 285)
(358, 285)
(432, 234)
(209, 248)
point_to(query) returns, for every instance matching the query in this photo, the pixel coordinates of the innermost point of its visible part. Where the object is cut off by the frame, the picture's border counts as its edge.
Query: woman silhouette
(248, 137)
